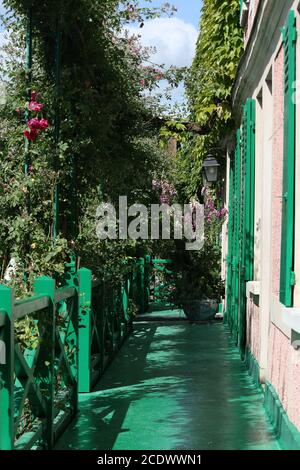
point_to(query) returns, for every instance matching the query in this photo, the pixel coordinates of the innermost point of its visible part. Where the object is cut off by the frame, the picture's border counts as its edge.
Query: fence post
(125, 297)
(71, 280)
(147, 280)
(45, 286)
(84, 329)
(7, 370)
(141, 288)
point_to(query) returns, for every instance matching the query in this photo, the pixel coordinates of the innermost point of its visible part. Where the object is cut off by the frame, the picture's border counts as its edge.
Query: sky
(173, 38)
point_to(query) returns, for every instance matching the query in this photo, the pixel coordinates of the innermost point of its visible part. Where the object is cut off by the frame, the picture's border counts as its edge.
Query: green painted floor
(174, 386)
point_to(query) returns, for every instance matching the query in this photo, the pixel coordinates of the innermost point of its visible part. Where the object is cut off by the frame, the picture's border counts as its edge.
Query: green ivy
(209, 85)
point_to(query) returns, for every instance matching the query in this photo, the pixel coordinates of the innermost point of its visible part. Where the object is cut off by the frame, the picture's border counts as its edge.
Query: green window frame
(287, 276)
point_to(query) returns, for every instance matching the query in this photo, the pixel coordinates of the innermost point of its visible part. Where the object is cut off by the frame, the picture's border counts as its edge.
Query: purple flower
(164, 200)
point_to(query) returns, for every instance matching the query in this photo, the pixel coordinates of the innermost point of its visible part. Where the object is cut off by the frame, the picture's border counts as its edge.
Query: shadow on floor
(173, 386)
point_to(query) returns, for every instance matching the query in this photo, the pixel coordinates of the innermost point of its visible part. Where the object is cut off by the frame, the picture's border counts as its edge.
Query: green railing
(55, 345)
(162, 281)
(38, 390)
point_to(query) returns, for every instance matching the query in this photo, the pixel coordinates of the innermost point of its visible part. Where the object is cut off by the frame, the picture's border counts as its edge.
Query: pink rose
(44, 124)
(34, 106)
(39, 124)
(34, 123)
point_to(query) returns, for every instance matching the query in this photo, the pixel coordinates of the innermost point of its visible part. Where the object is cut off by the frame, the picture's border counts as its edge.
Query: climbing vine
(209, 84)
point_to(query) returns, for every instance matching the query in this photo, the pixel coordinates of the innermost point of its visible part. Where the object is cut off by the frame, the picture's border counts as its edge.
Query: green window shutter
(288, 199)
(248, 190)
(236, 240)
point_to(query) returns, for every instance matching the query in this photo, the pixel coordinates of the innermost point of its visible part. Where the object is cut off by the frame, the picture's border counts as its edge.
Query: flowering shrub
(211, 212)
(107, 144)
(166, 190)
(133, 12)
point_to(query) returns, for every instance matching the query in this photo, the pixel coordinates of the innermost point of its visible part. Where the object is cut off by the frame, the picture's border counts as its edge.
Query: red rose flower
(31, 135)
(34, 96)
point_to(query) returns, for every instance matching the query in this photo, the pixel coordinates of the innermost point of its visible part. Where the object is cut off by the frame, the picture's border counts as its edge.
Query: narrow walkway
(173, 386)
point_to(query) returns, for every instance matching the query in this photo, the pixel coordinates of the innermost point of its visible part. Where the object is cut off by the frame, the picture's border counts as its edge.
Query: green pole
(141, 287)
(29, 80)
(57, 125)
(84, 330)
(74, 228)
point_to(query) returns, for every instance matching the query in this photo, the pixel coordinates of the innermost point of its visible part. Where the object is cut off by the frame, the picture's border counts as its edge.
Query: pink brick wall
(283, 360)
(284, 373)
(277, 175)
(253, 333)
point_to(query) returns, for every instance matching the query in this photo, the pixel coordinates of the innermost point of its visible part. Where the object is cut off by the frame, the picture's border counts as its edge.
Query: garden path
(175, 385)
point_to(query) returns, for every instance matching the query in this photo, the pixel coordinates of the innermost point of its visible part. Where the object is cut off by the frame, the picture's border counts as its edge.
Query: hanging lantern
(210, 169)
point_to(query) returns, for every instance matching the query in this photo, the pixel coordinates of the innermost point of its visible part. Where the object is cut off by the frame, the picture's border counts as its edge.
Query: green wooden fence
(74, 331)
(162, 282)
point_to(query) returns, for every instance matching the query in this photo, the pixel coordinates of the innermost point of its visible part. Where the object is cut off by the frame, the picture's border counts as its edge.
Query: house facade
(262, 235)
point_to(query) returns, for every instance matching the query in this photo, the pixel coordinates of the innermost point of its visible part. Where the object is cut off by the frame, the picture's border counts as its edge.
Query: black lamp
(210, 169)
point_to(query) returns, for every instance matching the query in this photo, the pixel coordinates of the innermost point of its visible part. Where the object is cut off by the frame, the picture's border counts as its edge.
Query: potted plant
(198, 284)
